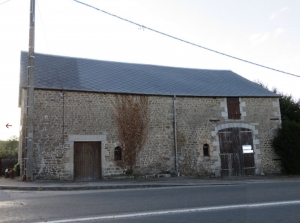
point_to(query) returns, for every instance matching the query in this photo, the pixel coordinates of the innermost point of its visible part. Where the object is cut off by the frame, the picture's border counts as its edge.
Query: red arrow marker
(7, 125)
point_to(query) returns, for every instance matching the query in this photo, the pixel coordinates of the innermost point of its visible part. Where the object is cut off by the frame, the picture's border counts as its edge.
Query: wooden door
(234, 162)
(87, 160)
(226, 154)
(237, 152)
(248, 158)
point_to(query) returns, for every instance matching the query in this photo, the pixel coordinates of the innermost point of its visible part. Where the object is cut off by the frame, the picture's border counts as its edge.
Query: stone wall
(60, 117)
(194, 130)
(158, 153)
(265, 115)
(200, 120)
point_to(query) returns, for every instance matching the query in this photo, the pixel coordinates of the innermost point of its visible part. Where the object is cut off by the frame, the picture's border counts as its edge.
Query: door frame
(255, 138)
(86, 138)
(233, 159)
(87, 160)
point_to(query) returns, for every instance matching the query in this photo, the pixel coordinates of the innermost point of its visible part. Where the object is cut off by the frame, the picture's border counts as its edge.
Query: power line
(4, 2)
(40, 14)
(185, 41)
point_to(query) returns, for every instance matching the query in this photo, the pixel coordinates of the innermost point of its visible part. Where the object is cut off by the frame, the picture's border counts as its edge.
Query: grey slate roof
(77, 74)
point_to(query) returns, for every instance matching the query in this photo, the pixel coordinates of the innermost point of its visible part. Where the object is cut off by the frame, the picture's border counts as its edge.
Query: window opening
(118, 153)
(206, 150)
(233, 107)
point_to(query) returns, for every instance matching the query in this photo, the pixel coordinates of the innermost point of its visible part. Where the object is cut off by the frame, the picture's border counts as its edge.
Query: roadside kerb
(108, 187)
(16, 184)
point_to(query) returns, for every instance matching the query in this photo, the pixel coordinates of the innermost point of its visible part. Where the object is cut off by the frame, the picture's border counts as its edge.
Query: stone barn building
(200, 121)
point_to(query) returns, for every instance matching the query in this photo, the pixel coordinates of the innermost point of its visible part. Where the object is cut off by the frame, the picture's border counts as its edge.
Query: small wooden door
(87, 160)
(234, 162)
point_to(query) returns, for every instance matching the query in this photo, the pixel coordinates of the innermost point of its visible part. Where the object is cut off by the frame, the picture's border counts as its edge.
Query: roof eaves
(157, 94)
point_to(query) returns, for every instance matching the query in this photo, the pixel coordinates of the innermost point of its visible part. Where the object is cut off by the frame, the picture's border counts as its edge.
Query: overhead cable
(4, 2)
(193, 44)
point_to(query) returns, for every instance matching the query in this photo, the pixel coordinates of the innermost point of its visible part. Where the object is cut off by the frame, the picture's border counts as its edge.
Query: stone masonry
(62, 118)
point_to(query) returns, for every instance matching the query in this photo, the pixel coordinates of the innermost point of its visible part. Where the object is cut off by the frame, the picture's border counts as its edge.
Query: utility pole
(30, 98)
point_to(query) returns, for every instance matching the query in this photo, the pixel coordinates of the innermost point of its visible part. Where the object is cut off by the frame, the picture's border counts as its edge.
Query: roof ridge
(129, 63)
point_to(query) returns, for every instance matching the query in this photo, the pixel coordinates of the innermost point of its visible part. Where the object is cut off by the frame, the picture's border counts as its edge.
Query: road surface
(245, 202)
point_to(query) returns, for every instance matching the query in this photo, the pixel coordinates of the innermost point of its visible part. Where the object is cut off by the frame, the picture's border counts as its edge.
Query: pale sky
(265, 32)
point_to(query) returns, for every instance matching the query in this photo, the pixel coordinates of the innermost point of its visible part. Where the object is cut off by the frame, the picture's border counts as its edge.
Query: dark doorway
(87, 160)
(236, 147)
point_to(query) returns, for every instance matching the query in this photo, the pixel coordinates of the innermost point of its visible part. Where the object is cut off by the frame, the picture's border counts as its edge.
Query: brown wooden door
(226, 154)
(233, 161)
(248, 158)
(87, 160)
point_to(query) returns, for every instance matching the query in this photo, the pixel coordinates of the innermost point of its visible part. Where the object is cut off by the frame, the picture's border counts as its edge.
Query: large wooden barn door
(236, 147)
(87, 160)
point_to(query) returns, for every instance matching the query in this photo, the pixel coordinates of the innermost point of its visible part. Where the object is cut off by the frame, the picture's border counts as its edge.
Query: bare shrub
(131, 115)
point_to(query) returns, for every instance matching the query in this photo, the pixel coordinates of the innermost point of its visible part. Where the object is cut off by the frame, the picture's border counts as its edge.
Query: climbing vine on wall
(131, 116)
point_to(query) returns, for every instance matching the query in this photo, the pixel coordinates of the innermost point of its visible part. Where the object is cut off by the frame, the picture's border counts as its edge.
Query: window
(118, 153)
(233, 107)
(205, 150)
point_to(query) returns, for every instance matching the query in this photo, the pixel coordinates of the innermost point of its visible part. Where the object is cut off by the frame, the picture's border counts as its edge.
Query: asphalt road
(251, 202)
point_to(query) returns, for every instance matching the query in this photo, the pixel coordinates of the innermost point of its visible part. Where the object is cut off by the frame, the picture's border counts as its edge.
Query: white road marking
(176, 211)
